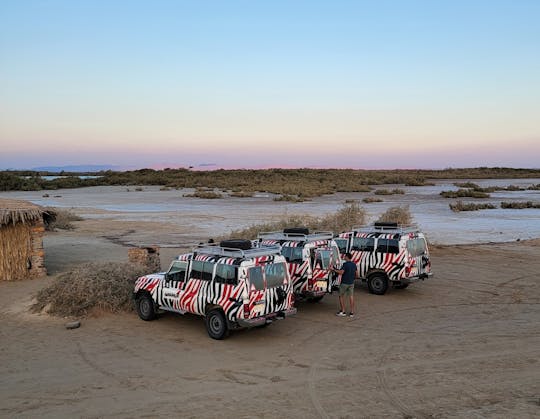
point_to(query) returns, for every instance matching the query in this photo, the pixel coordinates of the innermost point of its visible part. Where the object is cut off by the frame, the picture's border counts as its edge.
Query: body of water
(215, 217)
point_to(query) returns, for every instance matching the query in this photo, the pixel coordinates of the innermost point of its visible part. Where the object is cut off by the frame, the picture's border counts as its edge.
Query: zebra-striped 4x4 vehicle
(232, 285)
(386, 254)
(310, 257)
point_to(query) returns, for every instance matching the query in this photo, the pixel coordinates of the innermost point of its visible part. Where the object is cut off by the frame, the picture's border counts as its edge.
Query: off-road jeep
(231, 284)
(386, 254)
(309, 257)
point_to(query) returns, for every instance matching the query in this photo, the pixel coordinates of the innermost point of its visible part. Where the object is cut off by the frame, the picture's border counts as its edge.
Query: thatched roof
(14, 211)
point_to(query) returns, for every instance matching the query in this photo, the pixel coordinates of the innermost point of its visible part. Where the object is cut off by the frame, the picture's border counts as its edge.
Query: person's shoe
(341, 314)
(351, 314)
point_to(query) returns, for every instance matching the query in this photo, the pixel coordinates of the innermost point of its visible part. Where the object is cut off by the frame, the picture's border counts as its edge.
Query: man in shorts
(348, 275)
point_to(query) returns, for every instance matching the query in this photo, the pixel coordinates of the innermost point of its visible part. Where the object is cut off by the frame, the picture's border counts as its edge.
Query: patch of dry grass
(90, 288)
(371, 199)
(464, 193)
(400, 215)
(63, 219)
(347, 217)
(204, 195)
(520, 205)
(389, 192)
(459, 206)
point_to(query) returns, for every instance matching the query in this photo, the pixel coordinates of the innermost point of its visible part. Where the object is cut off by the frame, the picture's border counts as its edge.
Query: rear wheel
(378, 283)
(216, 324)
(145, 307)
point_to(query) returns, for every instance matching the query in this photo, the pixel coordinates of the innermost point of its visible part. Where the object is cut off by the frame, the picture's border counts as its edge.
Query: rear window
(226, 274)
(275, 274)
(322, 259)
(387, 246)
(292, 254)
(416, 247)
(363, 244)
(342, 244)
(255, 276)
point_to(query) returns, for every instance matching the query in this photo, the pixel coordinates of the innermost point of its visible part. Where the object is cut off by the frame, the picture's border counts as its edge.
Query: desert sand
(465, 343)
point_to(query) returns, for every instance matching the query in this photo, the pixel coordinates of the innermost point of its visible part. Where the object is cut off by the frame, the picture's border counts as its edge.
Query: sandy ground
(465, 343)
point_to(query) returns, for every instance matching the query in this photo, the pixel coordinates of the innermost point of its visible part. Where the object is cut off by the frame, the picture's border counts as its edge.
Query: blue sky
(361, 84)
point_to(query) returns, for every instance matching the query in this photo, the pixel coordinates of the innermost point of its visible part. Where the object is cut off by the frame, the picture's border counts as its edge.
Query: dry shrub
(241, 194)
(471, 206)
(204, 195)
(62, 219)
(465, 193)
(400, 215)
(91, 288)
(370, 199)
(520, 205)
(347, 217)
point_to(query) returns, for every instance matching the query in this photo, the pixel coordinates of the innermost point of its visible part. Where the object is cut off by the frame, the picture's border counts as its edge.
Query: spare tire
(236, 244)
(296, 230)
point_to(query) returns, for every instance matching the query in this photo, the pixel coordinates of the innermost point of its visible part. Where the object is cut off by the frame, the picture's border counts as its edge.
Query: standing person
(348, 275)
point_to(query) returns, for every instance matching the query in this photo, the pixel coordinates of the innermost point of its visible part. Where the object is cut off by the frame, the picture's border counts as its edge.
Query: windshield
(292, 254)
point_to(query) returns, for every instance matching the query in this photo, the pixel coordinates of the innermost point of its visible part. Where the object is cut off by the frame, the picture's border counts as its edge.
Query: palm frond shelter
(22, 226)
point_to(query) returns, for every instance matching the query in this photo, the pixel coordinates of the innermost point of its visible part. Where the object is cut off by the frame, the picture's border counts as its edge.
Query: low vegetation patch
(471, 206)
(520, 205)
(400, 215)
(204, 195)
(61, 219)
(90, 288)
(464, 193)
(389, 192)
(534, 187)
(347, 217)
(370, 199)
(290, 198)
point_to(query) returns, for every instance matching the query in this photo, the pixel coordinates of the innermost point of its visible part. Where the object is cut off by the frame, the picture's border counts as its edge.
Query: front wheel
(145, 307)
(378, 284)
(216, 325)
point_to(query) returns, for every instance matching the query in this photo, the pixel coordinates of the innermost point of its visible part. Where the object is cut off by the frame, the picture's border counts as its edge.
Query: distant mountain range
(77, 168)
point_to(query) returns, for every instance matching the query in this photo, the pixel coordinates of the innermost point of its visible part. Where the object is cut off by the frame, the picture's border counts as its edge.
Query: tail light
(246, 310)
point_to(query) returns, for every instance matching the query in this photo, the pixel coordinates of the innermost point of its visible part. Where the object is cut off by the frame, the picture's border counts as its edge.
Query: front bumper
(259, 321)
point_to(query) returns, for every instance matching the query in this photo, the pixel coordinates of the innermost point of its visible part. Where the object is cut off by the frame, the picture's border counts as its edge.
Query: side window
(387, 246)
(208, 270)
(363, 244)
(256, 277)
(196, 270)
(226, 274)
(177, 272)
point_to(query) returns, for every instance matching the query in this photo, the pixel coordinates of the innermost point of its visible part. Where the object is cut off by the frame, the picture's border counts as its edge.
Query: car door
(173, 287)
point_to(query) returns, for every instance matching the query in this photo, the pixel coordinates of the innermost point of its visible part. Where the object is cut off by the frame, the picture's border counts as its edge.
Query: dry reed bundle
(15, 251)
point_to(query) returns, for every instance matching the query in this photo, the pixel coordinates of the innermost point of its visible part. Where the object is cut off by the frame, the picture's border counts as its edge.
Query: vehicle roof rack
(216, 250)
(298, 237)
(390, 228)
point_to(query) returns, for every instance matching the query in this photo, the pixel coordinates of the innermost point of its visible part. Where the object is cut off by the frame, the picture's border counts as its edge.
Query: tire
(296, 230)
(401, 286)
(236, 244)
(216, 324)
(145, 307)
(378, 284)
(315, 299)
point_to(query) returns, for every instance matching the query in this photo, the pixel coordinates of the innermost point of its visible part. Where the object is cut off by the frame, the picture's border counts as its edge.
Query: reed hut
(21, 240)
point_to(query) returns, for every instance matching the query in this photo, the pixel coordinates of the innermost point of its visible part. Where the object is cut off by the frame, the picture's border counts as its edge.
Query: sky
(247, 84)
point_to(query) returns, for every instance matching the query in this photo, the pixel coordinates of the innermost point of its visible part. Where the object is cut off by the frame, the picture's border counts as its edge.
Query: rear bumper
(259, 321)
(311, 294)
(416, 278)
